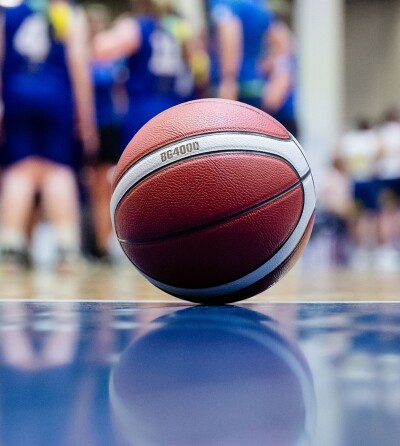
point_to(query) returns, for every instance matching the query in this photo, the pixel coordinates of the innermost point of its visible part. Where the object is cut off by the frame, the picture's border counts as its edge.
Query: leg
(387, 257)
(366, 229)
(20, 183)
(60, 203)
(100, 187)
(100, 191)
(366, 224)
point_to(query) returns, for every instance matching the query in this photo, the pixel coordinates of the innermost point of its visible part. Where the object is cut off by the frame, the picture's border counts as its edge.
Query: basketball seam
(221, 299)
(294, 226)
(236, 104)
(276, 250)
(297, 144)
(287, 238)
(183, 291)
(182, 140)
(202, 155)
(294, 185)
(223, 220)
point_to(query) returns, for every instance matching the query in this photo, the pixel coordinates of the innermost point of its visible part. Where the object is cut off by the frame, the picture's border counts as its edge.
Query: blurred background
(78, 80)
(89, 75)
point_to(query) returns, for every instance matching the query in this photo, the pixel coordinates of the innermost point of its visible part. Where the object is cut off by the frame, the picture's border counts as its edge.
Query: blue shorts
(41, 132)
(142, 109)
(391, 185)
(366, 194)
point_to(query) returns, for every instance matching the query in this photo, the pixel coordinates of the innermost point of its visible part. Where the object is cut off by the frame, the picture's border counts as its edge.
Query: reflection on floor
(92, 373)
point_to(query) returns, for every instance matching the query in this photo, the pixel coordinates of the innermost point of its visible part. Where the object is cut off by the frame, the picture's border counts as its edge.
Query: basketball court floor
(101, 357)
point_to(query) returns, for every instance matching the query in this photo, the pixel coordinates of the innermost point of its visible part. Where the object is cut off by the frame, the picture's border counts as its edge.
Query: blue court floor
(169, 374)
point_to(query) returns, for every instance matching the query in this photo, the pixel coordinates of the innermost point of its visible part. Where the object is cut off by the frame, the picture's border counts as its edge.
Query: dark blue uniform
(158, 76)
(37, 93)
(255, 19)
(286, 114)
(105, 77)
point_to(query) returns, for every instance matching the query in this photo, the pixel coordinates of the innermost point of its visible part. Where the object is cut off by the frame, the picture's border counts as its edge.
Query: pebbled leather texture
(195, 118)
(267, 281)
(199, 192)
(221, 253)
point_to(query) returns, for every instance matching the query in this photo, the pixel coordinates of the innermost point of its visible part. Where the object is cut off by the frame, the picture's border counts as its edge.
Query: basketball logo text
(180, 150)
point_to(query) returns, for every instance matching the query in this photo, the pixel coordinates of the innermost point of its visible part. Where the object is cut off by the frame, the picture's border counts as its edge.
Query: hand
(271, 101)
(276, 92)
(90, 141)
(228, 89)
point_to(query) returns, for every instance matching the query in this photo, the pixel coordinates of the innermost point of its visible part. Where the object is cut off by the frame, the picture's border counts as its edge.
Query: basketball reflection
(210, 376)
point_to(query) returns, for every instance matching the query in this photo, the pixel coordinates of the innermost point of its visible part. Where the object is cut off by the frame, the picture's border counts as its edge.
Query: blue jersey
(105, 76)
(35, 72)
(157, 68)
(255, 19)
(288, 109)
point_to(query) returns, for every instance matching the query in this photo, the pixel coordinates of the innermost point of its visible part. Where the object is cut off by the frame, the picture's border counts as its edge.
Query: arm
(277, 66)
(277, 90)
(78, 64)
(230, 47)
(122, 40)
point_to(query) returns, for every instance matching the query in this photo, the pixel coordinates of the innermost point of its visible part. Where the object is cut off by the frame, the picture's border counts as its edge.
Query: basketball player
(388, 170)
(158, 75)
(46, 91)
(358, 150)
(239, 30)
(279, 67)
(110, 99)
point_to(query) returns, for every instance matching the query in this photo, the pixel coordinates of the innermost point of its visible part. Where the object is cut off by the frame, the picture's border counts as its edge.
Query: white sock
(67, 237)
(13, 239)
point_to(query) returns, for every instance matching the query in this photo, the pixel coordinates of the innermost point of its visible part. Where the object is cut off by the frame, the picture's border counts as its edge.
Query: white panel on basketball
(210, 143)
(269, 266)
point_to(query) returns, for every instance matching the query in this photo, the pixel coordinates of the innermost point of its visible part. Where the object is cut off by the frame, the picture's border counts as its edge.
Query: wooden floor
(303, 284)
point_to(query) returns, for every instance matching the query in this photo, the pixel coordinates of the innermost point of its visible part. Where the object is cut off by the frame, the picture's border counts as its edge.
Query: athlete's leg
(19, 185)
(60, 203)
(100, 191)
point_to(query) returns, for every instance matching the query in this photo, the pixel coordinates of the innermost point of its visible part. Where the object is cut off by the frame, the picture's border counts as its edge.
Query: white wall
(319, 27)
(372, 58)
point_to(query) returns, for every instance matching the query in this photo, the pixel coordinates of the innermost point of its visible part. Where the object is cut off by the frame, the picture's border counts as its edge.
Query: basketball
(213, 201)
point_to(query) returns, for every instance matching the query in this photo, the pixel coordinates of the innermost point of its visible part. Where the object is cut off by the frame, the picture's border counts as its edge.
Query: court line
(189, 304)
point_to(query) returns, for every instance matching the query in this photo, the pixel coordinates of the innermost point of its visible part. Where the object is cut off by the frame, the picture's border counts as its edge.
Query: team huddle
(77, 86)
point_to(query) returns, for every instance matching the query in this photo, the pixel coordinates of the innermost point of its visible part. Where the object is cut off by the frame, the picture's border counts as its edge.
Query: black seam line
(300, 149)
(272, 255)
(304, 156)
(200, 155)
(219, 221)
(197, 135)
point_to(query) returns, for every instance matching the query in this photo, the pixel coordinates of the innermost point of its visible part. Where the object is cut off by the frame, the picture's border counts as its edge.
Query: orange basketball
(213, 201)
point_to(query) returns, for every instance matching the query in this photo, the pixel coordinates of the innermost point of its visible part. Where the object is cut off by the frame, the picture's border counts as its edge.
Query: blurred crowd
(359, 197)
(78, 83)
